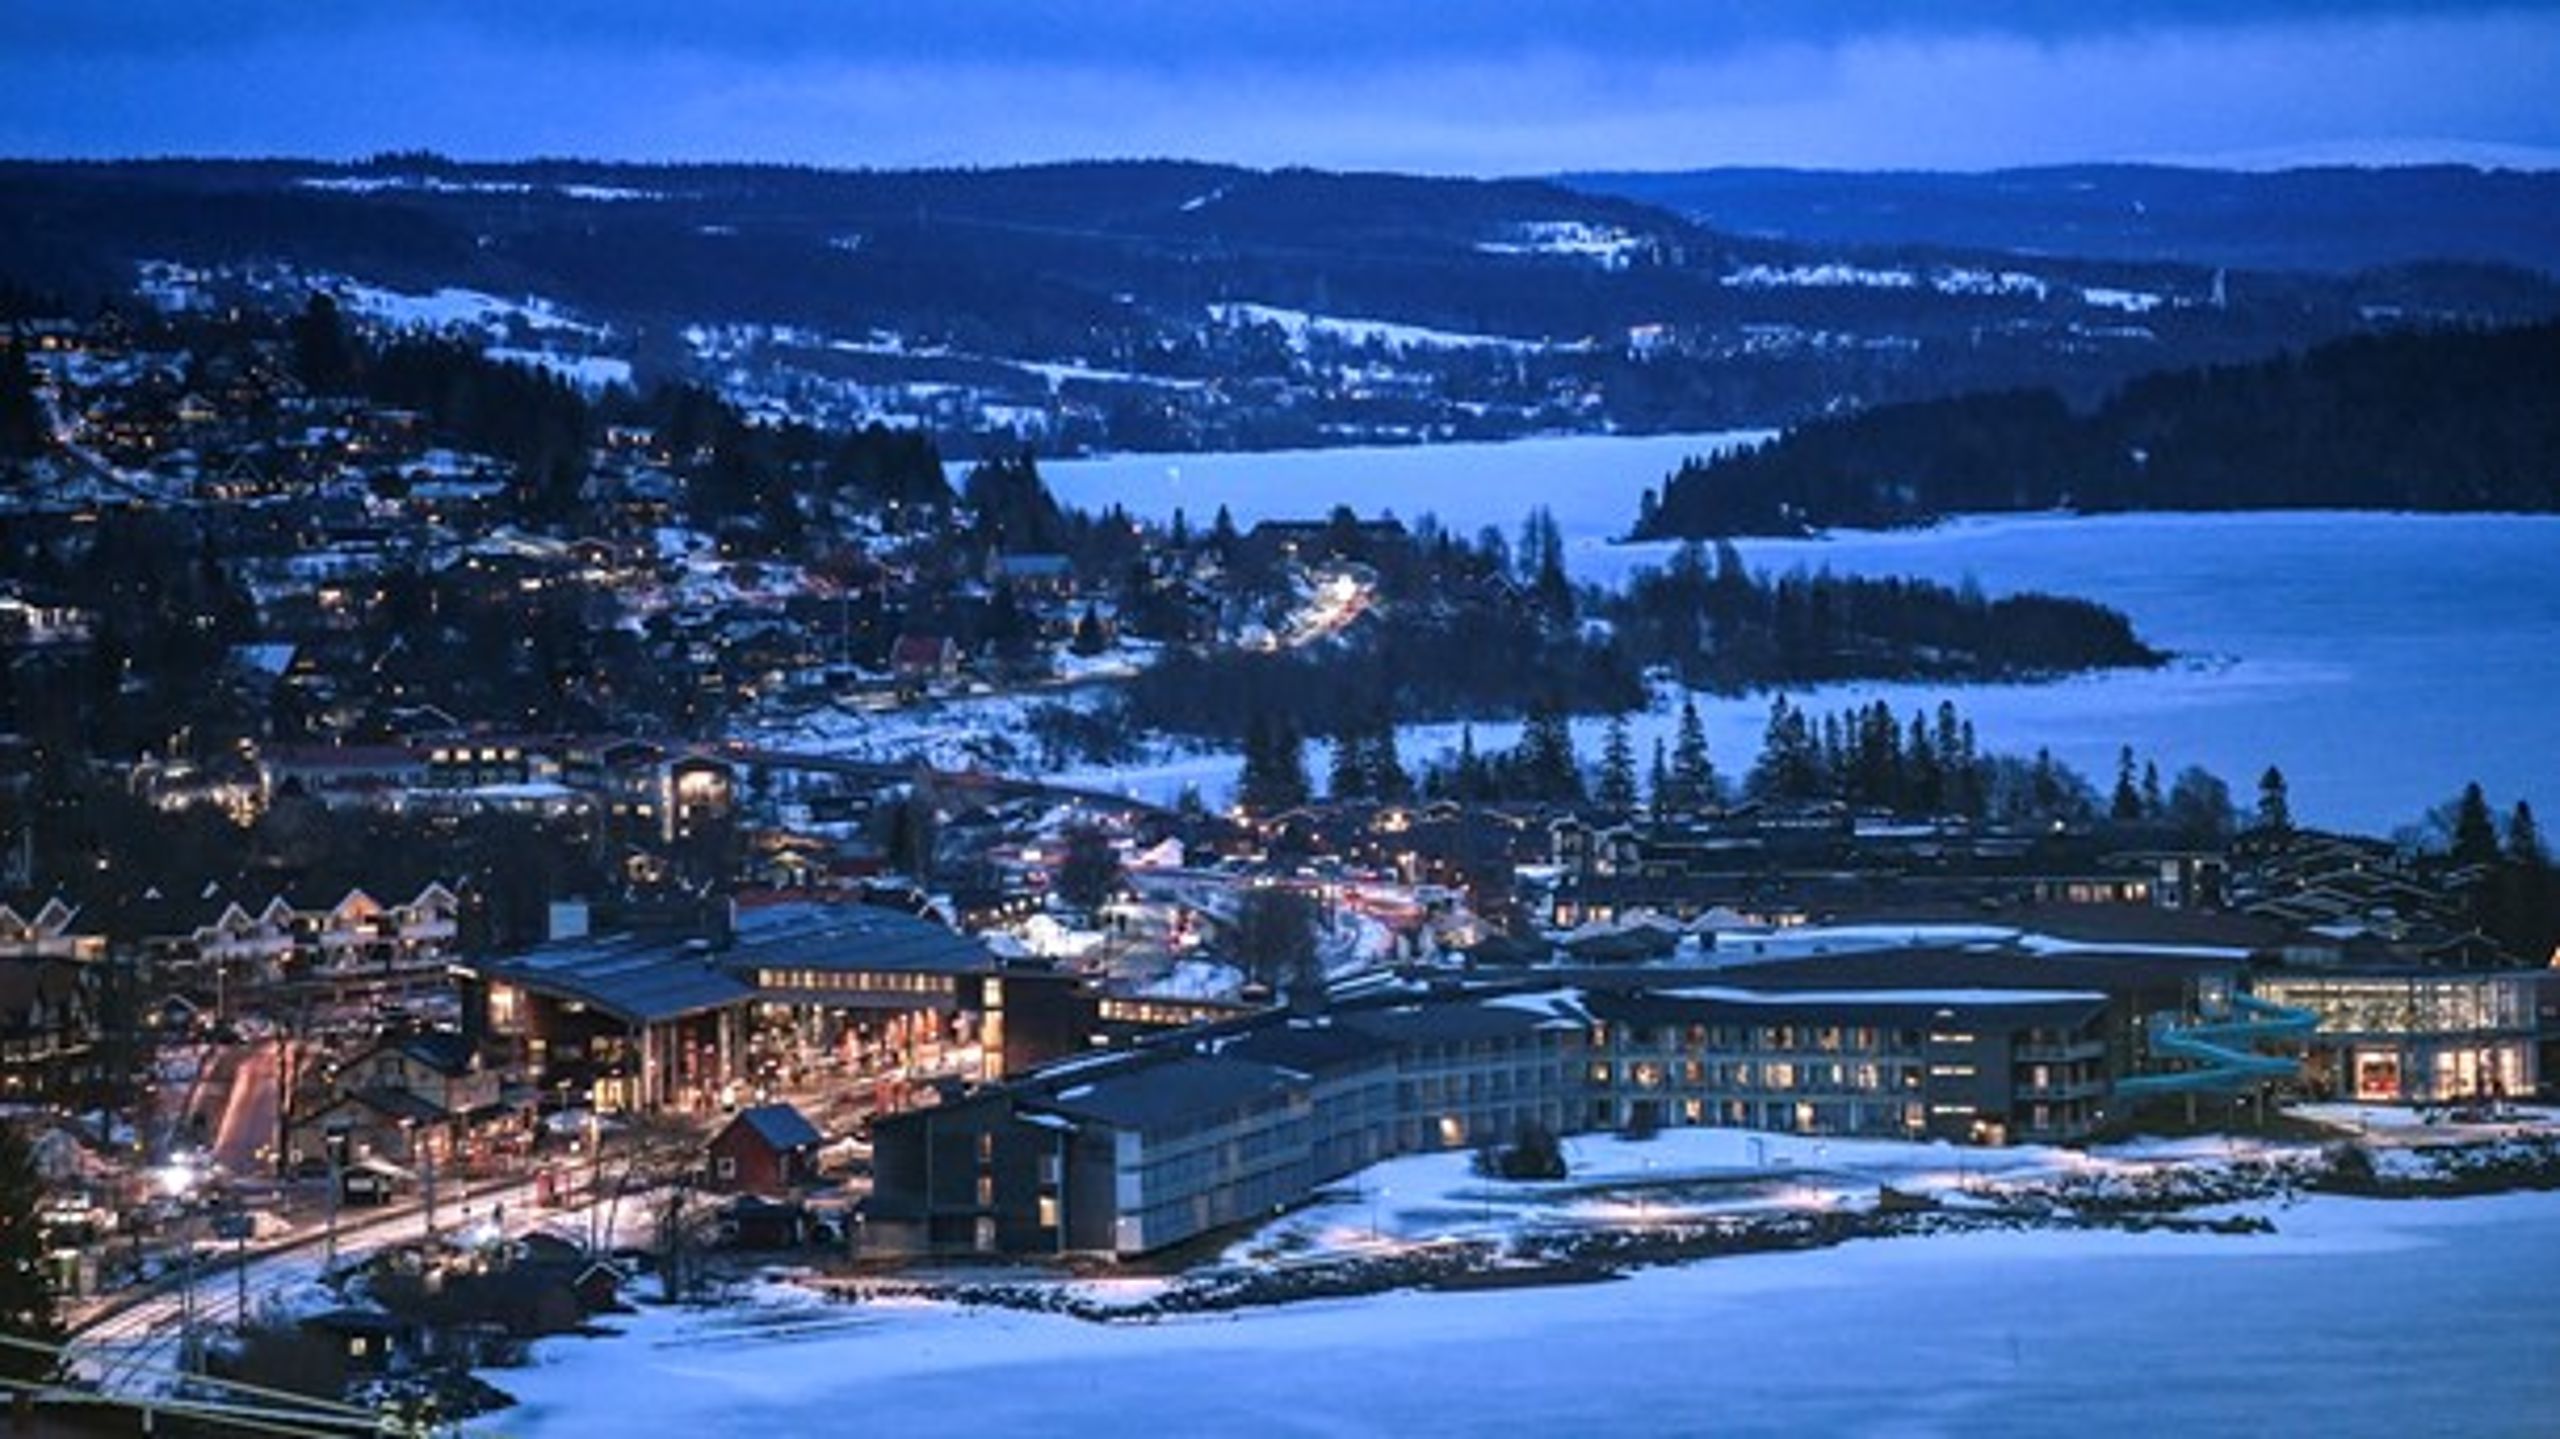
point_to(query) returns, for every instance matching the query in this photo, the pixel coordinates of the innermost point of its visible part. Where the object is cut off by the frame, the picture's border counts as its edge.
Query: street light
(177, 1181)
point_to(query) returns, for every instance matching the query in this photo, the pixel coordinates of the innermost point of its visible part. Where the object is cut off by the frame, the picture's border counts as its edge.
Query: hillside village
(398, 792)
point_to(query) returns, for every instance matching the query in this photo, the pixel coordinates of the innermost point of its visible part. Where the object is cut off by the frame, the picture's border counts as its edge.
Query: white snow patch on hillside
(1604, 245)
(2131, 302)
(452, 307)
(1831, 276)
(1302, 328)
(587, 372)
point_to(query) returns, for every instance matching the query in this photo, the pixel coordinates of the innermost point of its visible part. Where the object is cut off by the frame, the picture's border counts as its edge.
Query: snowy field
(2353, 1318)
(2381, 659)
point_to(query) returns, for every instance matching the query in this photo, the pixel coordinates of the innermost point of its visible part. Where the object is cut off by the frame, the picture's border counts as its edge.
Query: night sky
(1470, 86)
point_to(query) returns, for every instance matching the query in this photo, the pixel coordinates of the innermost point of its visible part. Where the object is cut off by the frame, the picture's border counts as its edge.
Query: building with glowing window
(2418, 1036)
(660, 1021)
(1128, 1152)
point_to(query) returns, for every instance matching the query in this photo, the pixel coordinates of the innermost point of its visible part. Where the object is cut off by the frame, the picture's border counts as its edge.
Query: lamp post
(178, 1182)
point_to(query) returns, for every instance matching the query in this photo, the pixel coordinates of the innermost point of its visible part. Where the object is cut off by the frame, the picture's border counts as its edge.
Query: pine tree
(1467, 780)
(1969, 771)
(2475, 834)
(26, 1281)
(1925, 783)
(1693, 774)
(1617, 791)
(1381, 766)
(2127, 804)
(1544, 759)
(1658, 784)
(1275, 767)
(2045, 784)
(2153, 807)
(1542, 564)
(322, 354)
(1089, 868)
(1090, 637)
(2275, 806)
(1348, 778)
(2524, 839)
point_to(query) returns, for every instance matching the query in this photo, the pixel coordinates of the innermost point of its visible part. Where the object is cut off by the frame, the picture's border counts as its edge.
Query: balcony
(2059, 1090)
(2048, 1053)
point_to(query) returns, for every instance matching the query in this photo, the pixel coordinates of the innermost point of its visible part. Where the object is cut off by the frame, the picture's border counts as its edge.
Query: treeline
(1720, 627)
(1862, 756)
(23, 432)
(2516, 896)
(1476, 629)
(1414, 664)
(2432, 420)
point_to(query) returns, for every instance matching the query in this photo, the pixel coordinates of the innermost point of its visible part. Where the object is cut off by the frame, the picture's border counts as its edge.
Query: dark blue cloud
(1481, 85)
(1317, 32)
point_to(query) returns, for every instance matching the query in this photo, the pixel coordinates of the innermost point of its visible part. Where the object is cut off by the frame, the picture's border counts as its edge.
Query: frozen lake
(2381, 659)
(2355, 1318)
(1589, 482)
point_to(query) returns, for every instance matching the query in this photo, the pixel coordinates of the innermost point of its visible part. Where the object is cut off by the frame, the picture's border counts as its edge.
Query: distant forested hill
(2438, 420)
(2335, 218)
(1162, 306)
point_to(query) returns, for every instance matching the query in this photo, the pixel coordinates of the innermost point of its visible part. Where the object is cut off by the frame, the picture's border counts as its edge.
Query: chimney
(569, 919)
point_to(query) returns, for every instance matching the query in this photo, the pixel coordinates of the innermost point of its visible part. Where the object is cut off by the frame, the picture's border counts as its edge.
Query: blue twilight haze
(1508, 86)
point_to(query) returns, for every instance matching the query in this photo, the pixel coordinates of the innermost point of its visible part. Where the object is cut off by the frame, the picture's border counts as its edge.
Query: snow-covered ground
(587, 372)
(1302, 327)
(2353, 1317)
(451, 308)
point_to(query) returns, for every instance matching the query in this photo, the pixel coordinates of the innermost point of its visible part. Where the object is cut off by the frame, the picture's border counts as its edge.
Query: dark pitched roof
(1165, 1093)
(779, 1125)
(852, 937)
(1305, 1045)
(399, 1104)
(445, 1051)
(637, 978)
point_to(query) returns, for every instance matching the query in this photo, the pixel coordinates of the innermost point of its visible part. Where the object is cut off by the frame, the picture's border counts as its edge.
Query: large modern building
(657, 1021)
(1129, 1152)
(2418, 1036)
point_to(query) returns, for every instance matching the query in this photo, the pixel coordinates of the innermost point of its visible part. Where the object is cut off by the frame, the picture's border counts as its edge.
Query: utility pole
(330, 1144)
(187, 1293)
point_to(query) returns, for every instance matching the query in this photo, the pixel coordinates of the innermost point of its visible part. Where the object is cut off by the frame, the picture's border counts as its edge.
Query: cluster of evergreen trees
(1366, 765)
(2517, 899)
(1721, 627)
(2442, 420)
(1864, 756)
(1483, 628)
(23, 433)
(1541, 768)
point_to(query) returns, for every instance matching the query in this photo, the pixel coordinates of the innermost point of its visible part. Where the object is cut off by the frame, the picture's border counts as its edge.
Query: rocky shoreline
(2163, 1199)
